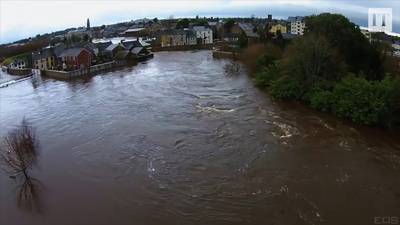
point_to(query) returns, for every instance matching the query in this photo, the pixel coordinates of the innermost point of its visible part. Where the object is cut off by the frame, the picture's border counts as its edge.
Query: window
(374, 19)
(383, 20)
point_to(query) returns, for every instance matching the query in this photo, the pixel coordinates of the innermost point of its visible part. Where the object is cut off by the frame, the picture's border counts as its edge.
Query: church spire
(88, 24)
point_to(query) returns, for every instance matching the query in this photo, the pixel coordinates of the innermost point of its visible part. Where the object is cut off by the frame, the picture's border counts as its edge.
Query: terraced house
(76, 58)
(171, 38)
(44, 59)
(204, 35)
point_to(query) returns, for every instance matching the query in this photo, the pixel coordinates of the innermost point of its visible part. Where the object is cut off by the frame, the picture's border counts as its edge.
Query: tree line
(334, 68)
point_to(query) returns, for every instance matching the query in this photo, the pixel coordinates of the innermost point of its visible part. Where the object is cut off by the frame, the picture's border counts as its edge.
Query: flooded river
(179, 140)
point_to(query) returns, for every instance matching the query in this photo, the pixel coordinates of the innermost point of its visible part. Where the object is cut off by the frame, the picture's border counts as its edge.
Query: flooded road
(178, 140)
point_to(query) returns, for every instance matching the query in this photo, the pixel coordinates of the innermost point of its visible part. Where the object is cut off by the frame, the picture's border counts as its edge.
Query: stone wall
(181, 47)
(65, 74)
(80, 72)
(19, 72)
(224, 54)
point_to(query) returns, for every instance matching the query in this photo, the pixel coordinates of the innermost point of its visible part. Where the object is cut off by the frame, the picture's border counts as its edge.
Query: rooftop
(295, 18)
(248, 29)
(72, 52)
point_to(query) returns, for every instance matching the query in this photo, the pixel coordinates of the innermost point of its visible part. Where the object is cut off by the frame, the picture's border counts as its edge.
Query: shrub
(322, 100)
(264, 78)
(360, 100)
(286, 88)
(391, 118)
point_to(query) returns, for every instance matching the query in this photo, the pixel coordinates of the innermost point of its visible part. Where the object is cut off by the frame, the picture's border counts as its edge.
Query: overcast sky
(22, 19)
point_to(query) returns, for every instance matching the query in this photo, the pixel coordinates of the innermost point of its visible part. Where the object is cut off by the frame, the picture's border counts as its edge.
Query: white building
(18, 64)
(204, 33)
(297, 25)
(380, 19)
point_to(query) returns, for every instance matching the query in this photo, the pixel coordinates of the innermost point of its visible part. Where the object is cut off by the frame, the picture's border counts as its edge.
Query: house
(135, 32)
(192, 38)
(231, 37)
(131, 44)
(277, 28)
(58, 49)
(101, 46)
(44, 59)
(112, 49)
(215, 26)
(80, 33)
(140, 53)
(124, 55)
(297, 24)
(249, 31)
(204, 35)
(366, 33)
(18, 64)
(92, 48)
(76, 58)
(176, 37)
(173, 38)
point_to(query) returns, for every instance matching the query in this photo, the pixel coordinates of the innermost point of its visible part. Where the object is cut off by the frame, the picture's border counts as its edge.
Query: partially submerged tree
(28, 197)
(18, 150)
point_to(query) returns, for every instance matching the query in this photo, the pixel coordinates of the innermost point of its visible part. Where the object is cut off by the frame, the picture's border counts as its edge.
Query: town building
(112, 49)
(249, 31)
(204, 35)
(140, 53)
(129, 44)
(215, 26)
(297, 24)
(18, 64)
(44, 59)
(80, 33)
(171, 38)
(277, 28)
(76, 58)
(135, 32)
(101, 46)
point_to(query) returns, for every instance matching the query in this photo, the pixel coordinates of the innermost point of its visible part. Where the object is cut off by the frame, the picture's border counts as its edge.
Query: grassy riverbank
(23, 56)
(332, 68)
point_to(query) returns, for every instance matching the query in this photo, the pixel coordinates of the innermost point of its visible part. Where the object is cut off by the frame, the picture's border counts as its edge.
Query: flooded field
(181, 139)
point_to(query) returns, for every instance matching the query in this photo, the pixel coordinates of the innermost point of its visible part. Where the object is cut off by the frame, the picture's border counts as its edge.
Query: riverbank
(182, 48)
(348, 77)
(13, 79)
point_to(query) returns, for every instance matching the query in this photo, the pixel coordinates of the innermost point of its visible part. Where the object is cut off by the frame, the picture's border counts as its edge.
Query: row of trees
(184, 23)
(333, 67)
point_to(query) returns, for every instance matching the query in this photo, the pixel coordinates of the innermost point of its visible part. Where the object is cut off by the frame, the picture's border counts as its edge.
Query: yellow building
(278, 27)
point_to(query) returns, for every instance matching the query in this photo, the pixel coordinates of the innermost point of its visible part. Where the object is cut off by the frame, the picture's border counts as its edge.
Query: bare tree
(18, 150)
(28, 197)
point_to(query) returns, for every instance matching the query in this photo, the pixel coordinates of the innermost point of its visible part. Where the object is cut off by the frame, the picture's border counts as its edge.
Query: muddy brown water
(180, 139)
